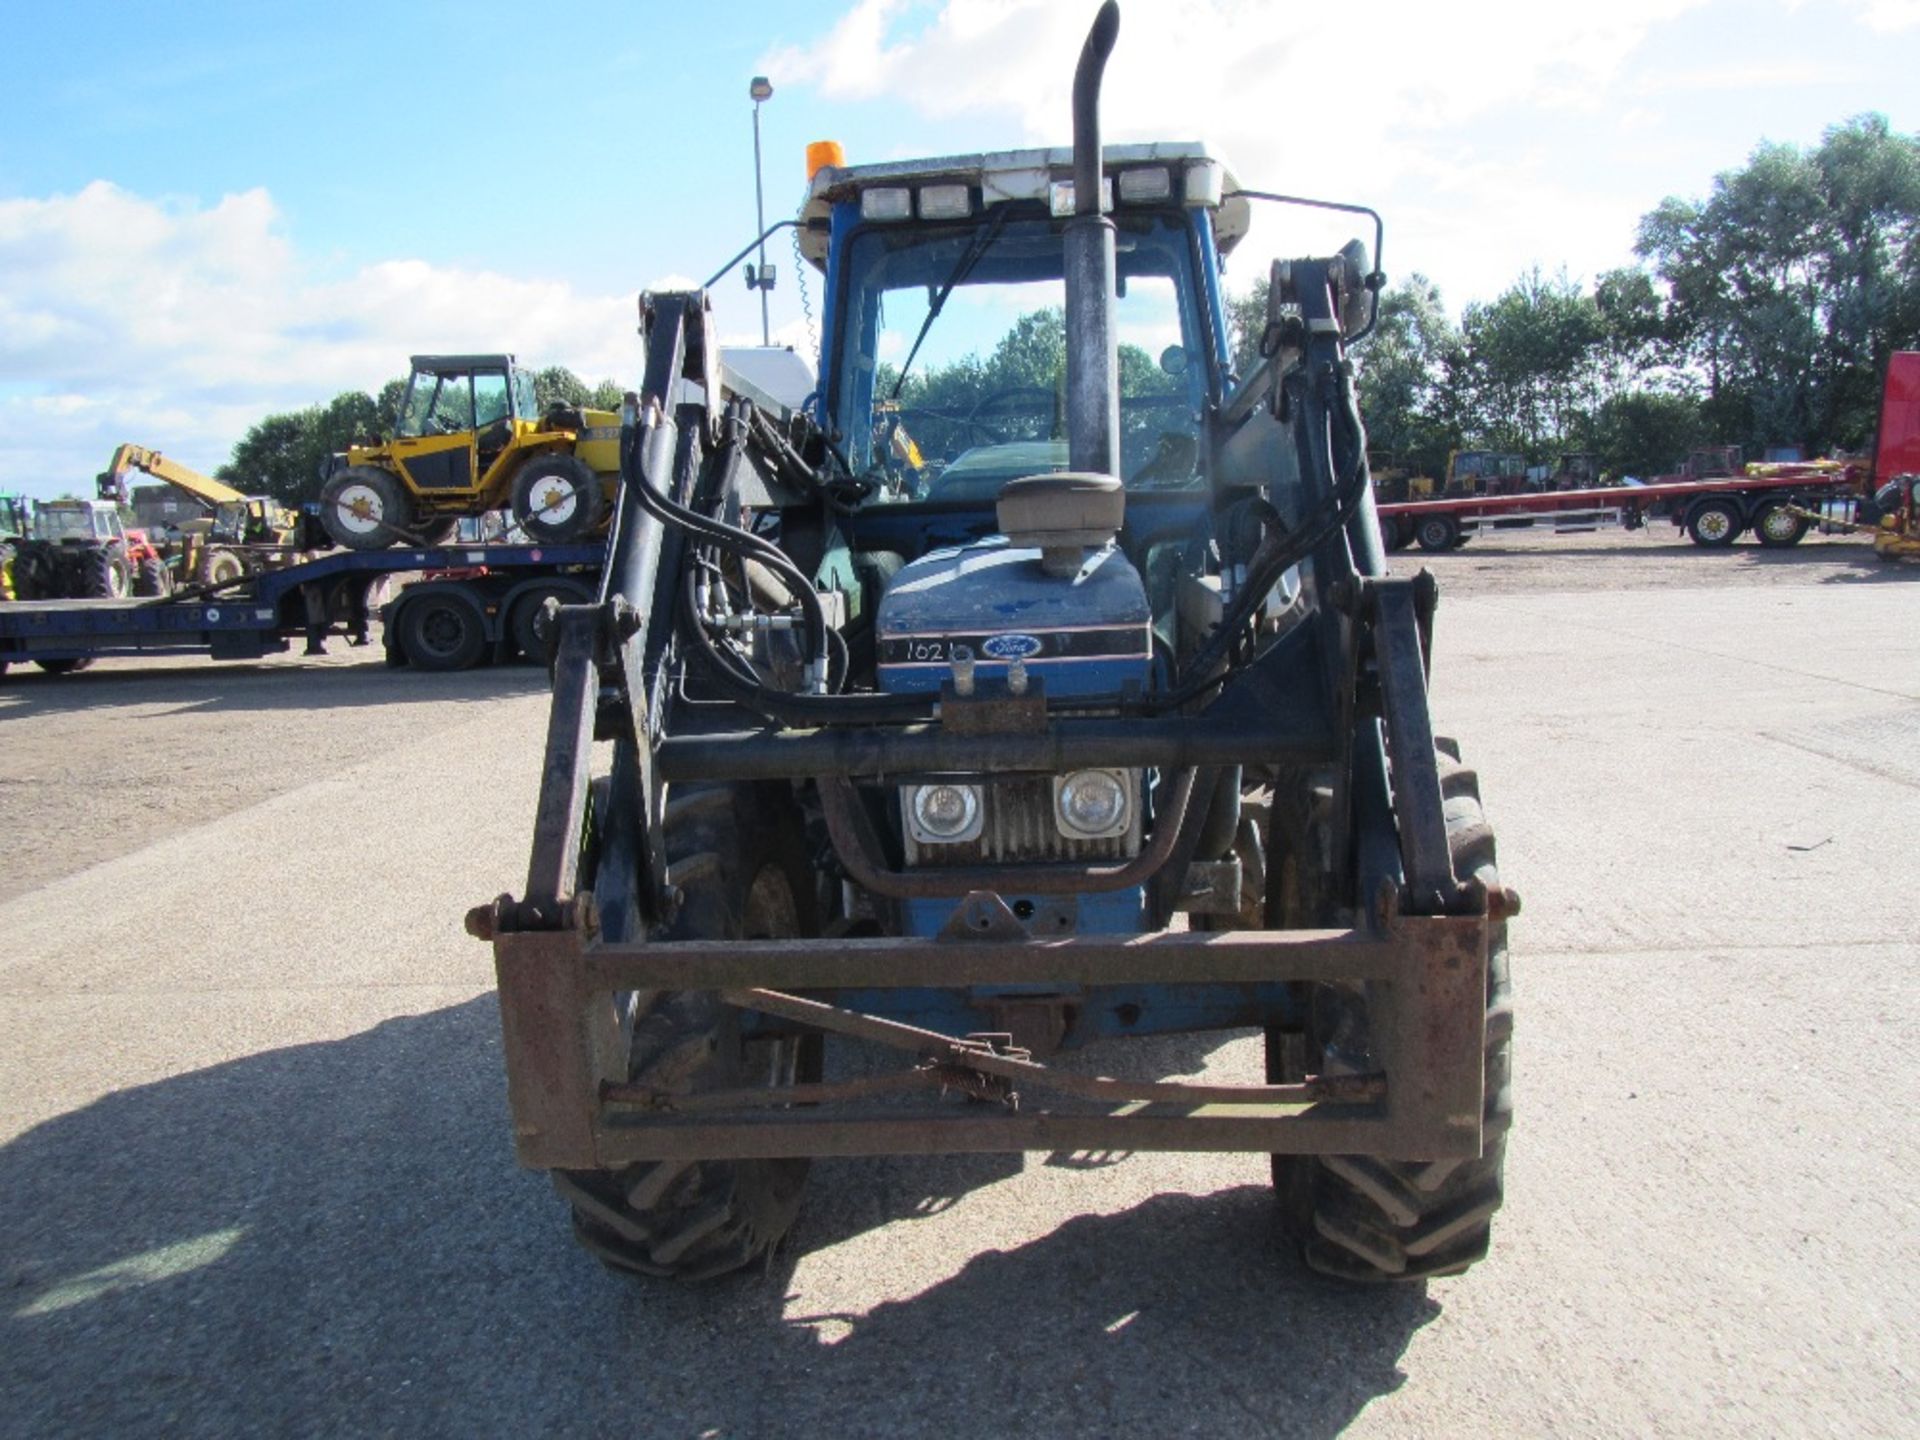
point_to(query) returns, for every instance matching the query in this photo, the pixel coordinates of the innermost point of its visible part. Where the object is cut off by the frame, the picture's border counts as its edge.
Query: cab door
(436, 445)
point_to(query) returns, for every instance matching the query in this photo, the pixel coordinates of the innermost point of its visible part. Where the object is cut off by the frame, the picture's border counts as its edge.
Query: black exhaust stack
(1093, 366)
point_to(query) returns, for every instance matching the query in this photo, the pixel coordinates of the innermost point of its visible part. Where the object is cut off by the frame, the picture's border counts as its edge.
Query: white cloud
(1887, 16)
(177, 325)
(1391, 103)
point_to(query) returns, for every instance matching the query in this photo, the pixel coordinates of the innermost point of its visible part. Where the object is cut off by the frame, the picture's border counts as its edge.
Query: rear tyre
(152, 577)
(106, 573)
(63, 667)
(1362, 1218)
(365, 508)
(1436, 532)
(1777, 527)
(1714, 524)
(744, 875)
(556, 498)
(442, 631)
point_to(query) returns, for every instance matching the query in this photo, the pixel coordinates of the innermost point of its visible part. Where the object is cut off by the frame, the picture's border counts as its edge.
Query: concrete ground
(255, 1172)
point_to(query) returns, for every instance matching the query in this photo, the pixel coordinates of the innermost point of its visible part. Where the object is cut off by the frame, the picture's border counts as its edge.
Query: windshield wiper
(962, 268)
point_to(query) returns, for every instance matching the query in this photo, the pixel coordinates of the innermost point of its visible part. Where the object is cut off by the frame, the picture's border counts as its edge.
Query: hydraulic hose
(733, 539)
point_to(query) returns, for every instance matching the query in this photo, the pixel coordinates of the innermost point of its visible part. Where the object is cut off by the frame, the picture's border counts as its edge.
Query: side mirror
(1356, 286)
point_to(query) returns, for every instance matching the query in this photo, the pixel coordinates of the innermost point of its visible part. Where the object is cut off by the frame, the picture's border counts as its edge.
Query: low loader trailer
(471, 604)
(1713, 513)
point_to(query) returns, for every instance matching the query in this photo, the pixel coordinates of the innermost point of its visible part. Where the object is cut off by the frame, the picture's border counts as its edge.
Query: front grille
(1017, 827)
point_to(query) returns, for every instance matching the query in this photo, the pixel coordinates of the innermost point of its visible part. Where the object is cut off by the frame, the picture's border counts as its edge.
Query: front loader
(1047, 724)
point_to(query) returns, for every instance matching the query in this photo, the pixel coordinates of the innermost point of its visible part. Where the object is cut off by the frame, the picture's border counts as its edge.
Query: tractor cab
(256, 520)
(945, 352)
(91, 522)
(1485, 472)
(458, 415)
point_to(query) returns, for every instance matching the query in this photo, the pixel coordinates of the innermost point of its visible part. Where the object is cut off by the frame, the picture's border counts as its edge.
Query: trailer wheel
(523, 623)
(1396, 533)
(1362, 1218)
(442, 629)
(365, 508)
(557, 497)
(64, 667)
(1777, 527)
(1714, 524)
(1437, 532)
(742, 875)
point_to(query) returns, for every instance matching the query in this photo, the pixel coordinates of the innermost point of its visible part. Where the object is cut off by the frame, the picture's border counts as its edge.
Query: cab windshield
(437, 405)
(983, 398)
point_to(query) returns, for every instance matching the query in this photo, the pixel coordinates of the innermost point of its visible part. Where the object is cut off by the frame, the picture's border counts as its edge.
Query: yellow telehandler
(245, 533)
(470, 438)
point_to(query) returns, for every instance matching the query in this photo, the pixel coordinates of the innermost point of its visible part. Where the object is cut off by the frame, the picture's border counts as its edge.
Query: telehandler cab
(1051, 726)
(469, 438)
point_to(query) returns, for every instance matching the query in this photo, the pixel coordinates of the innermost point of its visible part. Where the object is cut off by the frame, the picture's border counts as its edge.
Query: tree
(285, 455)
(557, 385)
(1405, 366)
(1794, 280)
(1531, 371)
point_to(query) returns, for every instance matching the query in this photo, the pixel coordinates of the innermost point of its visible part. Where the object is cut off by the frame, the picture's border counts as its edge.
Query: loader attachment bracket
(561, 993)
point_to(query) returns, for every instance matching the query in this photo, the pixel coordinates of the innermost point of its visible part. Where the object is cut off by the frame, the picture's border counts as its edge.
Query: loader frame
(572, 955)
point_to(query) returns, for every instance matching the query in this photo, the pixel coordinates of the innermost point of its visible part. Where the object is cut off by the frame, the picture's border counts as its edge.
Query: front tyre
(744, 875)
(557, 498)
(365, 508)
(1362, 1218)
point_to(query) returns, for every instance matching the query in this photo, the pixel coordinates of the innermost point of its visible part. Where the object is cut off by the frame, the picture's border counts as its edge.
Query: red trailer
(1712, 512)
(1769, 500)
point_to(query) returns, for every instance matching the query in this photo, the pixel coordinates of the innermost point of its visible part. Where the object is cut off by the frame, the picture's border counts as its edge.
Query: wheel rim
(360, 510)
(554, 502)
(1777, 525)
(1436, 533)
(1714, 525)
(441, 631)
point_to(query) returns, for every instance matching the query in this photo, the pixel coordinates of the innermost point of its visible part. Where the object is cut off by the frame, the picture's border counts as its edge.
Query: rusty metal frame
(565, 1047)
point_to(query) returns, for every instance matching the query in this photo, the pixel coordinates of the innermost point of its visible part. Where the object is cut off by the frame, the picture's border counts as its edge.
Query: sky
(210, 213)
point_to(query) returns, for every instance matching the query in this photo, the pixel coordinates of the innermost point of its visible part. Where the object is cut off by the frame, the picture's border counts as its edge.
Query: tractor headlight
(943, 813)
(1093, 804)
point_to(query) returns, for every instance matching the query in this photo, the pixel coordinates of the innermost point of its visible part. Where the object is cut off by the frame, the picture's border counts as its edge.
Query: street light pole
(760, 90)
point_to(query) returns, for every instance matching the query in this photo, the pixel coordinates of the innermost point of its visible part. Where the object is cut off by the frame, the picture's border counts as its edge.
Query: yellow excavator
(244, 533)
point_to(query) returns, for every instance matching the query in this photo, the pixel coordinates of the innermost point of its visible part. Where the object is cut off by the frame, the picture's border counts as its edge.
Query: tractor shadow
(332, 1238)
(229, 688)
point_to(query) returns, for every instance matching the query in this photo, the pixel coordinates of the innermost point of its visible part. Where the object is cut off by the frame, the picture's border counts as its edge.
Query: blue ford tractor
(1026, 688)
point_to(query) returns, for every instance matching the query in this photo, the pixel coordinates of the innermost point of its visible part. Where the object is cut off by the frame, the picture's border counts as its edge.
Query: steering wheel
(997, 397)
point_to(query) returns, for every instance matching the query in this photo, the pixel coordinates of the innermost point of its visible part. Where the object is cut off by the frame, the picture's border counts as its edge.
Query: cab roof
(1007, 175)
(440, 364)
